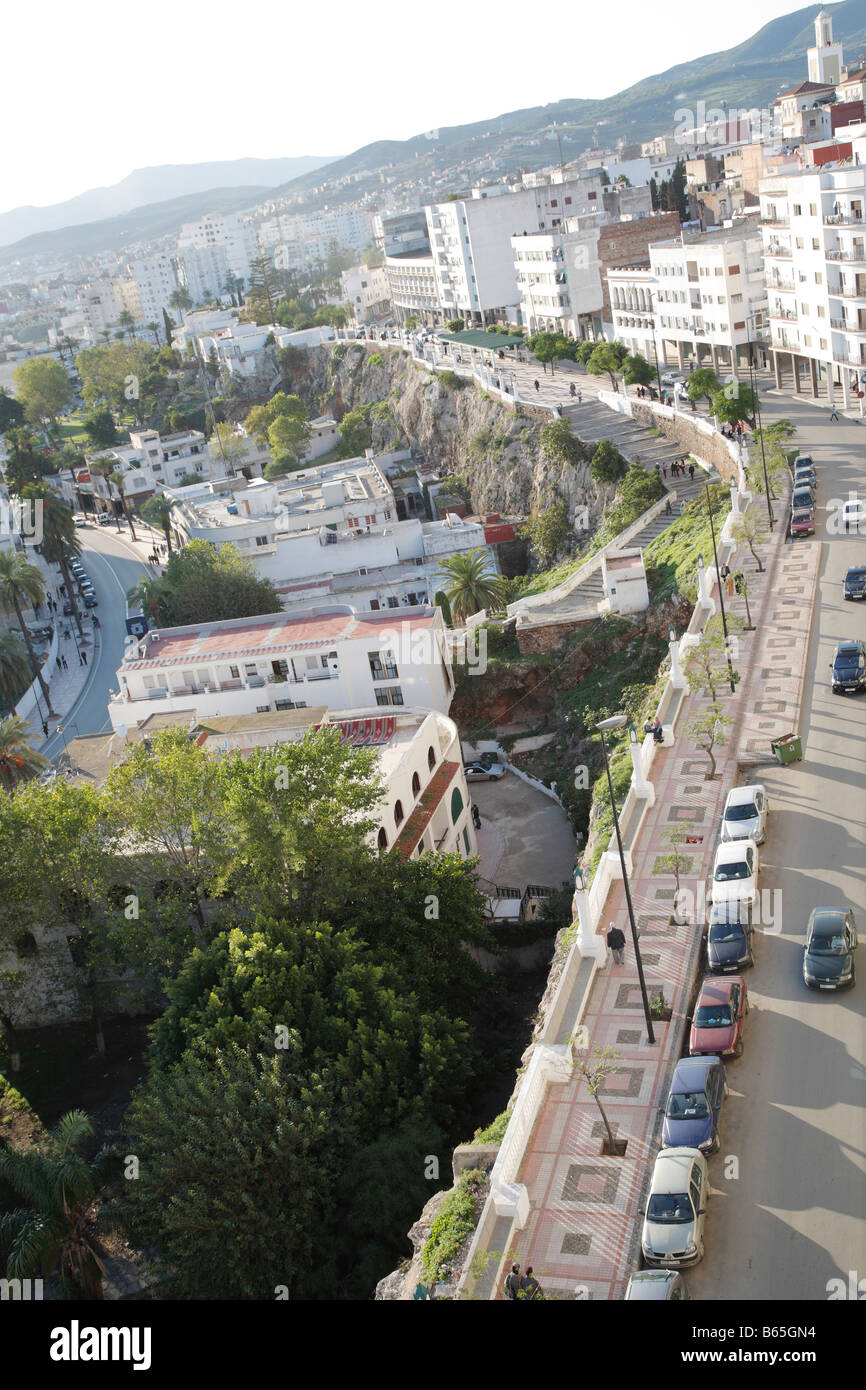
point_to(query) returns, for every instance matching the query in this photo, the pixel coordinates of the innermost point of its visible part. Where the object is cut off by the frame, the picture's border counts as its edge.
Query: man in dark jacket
(512, 1283)
(616, 942)
(529, 1285)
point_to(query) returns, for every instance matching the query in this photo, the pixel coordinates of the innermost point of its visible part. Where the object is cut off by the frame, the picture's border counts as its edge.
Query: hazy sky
(96, 89)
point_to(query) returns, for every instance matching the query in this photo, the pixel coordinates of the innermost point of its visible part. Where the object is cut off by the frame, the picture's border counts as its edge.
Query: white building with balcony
(367, 290)
(559, 281)
(230, 232)
(412, 287)
(152, 463)
(330, 655)
(814, 227)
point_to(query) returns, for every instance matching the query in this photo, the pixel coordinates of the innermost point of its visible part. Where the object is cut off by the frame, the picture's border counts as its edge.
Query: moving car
(655, 1286)
(673, 1228)
(849, 668)
(717, 1025)
(803, 522)
(730, 938)
(745, 814)
(477, 772)
(693, 1105)
(854, 515)
(735, 872)
(79, 518)
(831, 943)
(854, 583)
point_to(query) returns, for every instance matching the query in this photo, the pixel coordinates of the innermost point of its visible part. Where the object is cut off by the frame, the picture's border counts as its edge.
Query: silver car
(656, 1286)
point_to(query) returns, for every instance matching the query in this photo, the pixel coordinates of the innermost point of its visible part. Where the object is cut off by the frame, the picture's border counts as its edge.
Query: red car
(803, 522)
(717, 1026)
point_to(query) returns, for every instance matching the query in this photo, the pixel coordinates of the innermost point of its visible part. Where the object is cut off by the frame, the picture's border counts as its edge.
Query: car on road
(735, 872)
(79, 518)
(694, 1103)
(803, 522)
(849, 668)
(673, 379)
(854, 583)
(68, 609)
(803, 459)
(802, 497)
(806, 478)
(90, 601)
(105, 519)
(673, 1228)
(717, 1024)
(745, 814)
(478, 772)
(655, 1286)
(730, 938)
(854, 515)
(831, 945)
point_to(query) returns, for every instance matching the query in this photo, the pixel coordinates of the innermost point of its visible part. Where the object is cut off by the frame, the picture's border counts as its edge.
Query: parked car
(803, 522)
(854, 515)
(68, 608)
(745, 814)
(90, 601)
(694, 1103)
(803, 459)
(802, 497)
(104, 519)
(717, 1025)
(735, 872)
(849, 668)
(831, 945)
(854, 584)
(477, 772)
(79, 518)
(806, 479)
(655, 1286)
(673, 379)
(730, 938)
(673, 1228)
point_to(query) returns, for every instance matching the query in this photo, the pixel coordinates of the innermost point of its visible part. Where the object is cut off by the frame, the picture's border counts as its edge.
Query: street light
(753, 384)
(721, 591)
(607, 726)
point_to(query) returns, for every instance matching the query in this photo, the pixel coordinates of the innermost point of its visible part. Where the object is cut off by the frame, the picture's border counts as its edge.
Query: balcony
(838, 255)
(776, 251)
(782, 314)
(845, 326)
(843, 219)
(842, 292)
(772, 220)
(787, 285)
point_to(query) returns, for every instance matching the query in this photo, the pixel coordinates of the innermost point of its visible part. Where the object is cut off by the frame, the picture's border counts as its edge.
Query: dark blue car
(693, 1105)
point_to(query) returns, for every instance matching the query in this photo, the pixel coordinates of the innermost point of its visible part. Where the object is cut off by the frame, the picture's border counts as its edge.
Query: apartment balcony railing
(842, 292)
(779, 252)
(847, 327)
(782, 314)
(774, 221)
(787, 285)
(842, 219)
(838, 255)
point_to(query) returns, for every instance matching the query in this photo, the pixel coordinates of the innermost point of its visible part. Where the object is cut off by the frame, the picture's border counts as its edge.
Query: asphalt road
(114, 568)
(794, 1123)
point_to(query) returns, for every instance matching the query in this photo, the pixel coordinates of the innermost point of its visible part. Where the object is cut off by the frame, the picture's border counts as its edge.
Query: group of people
(733, 431)
(654, 727)
(573, 391)
(734, 583)
(521, 1286)
(679, 470)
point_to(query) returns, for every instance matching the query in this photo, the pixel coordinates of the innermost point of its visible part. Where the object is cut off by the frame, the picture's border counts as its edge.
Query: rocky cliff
(455, 427)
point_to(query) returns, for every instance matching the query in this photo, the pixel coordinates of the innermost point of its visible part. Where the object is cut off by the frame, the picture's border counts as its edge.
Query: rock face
(462, 430)
(401, 1284)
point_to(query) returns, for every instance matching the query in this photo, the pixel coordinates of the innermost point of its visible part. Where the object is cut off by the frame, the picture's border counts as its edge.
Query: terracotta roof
(405, 843)
(803, 88)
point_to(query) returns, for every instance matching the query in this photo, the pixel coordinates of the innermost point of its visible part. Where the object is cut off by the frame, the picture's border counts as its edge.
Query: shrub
(451, 380)
(455, 325)
(493, 1133)
(375, 360)
(454, 1224)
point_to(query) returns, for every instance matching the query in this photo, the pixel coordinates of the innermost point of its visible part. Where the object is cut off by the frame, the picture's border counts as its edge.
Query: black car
(855, 583)
(831, 944)
(68, 608)
(849, 668)
(730, 938)
(802, 497)
(90, 601)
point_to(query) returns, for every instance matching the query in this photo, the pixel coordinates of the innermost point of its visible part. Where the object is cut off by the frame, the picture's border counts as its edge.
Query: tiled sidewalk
(583, 1233)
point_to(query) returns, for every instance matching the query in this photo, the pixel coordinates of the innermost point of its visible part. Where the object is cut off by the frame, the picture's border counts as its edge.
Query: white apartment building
(231, 232)
(367, 290)
(152, 462)
(203, 271)
(559, 281)
(300, 239)
(814, 228)
(412, 287)
(98, 303)
(201, 323)
(155, 280)
(699, 301)
(402, 233)
(329, 656)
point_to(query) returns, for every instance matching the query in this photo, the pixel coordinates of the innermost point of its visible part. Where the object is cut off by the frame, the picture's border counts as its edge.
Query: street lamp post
(721, 590)
(753, 383)
(608, 725)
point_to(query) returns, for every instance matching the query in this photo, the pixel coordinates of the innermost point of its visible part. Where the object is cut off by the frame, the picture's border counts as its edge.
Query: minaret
(825, 59)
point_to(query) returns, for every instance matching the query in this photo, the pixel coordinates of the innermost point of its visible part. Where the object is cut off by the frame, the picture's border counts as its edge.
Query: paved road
(796, 1215)
(114, 568)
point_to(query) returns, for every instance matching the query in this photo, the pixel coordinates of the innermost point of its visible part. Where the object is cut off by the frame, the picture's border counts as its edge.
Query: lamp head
(616, 721)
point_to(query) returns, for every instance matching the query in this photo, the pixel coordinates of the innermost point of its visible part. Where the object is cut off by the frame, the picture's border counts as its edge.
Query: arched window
(383, 838)
(398, 813)
(416, 784)
(431, 758)
(456, 805)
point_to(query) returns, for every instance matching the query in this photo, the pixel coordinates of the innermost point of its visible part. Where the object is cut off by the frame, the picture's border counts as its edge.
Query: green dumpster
(787, 749)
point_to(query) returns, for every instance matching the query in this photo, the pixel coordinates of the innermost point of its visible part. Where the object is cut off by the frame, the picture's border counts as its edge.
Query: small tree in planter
(595, 1067)
(707, 730)
(676, 862)
(749, 527)
(660, 1008)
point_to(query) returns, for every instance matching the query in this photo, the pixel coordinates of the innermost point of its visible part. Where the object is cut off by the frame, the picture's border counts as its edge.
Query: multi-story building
(412, 287)
(706, 296)
(814, 227)
(366, 289)
(155, 281)
(203, 271)
(330, 655)
(152, 462)
(231, 232)
(402, 233)
(99, 306)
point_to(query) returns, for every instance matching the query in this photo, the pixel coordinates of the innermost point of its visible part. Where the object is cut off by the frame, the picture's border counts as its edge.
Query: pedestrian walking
(668, 511)
(739, 582)
(535, 384)
(82, 657)
(834, 414)
(476, 817)
(572, 390)
(616, 942)
(64, 665)
(692, 472)
(512, 1283)
(579, 397)
(729, 585)
(529, 1285)
(66, 634)
(664, 470)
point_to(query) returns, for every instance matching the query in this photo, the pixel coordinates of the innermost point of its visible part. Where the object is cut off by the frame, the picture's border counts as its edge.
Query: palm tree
(52, 1232)
(14, 669)
(22, 582)
(19, 761)
(154, 329)
(105, 469)
(118, 477)
(470, 583)
(60, 544)
(181, 300)
(158, 510)
(125, 321)
(146, 596)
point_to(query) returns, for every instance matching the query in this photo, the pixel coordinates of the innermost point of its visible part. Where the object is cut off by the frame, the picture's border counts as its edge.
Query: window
(807, 339)
(819, 278)
(591, 197)
(567, 202)
(719, 270)
(352, 521)
(383, 838)
(382, 666)
(813, 211)
(733, 270)
(398, 813)
(799, 243)
(456, 805)
(736, 299)
(370, 520)
(374, 604)
(822, 313)
(798, 211)
(234, 673)
(431, 758)
(261, 540)
(554, 203)
(393, 602)
(804, 309)
(251, 669)
(387, 516)
(416, 784)
(389, 695)
(823, 342)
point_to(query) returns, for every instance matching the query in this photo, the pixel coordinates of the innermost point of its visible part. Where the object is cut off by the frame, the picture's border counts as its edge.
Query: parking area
(525, 836)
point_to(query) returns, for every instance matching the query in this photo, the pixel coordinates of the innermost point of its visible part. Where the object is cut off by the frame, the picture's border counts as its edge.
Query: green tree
(636, 371)
(470, 583)
(202, 585)
(14, 669)
(21, 582)
(548, 533)
(233, 448)
(289, 436)
(607, 464)
(454, 325)
(706, 665)
(677, 199)
(11, 411)
(125, 321)
(703, 382)
(181, 301)
(101, 429)
(559, 442)
(157, 511)
(750, 528)
(707, 730)
(260, 419)
(584, 350)
(24, 465)
(735, 401)
(19, 760)
(60, 544)
(356, 433)
(145, 595)
(547, 347)
(607, 359)
(43, 388)
(118, 478)
(53, 1231)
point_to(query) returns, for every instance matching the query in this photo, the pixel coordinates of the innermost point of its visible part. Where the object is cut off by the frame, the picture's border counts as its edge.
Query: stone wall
(541, 639)
(626, 243)
(683, 431)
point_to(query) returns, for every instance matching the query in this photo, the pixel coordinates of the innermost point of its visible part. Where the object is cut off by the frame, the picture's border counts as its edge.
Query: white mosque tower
(825, 59)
